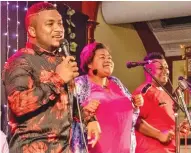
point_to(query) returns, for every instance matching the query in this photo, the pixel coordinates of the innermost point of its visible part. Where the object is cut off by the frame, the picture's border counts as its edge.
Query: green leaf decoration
(68, 21)
(69, 30)
(70, 12)
(72, 24)
(73, 46)
(72, 36)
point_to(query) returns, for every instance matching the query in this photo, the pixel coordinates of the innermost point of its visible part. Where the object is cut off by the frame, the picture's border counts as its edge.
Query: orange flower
(45, 76)
(51, 59)
(35, 147)
(30, 82)
(58, 149)
(61, 106)
(23, 102)
(52, 137)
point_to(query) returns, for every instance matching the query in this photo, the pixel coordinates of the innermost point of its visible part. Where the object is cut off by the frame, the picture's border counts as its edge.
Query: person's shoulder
(18, 59)
(27, 51)
(20, 54)
(114, 78)
(143, 88)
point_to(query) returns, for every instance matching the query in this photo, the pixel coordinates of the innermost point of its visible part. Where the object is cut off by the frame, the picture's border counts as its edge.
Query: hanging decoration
(71, 29)
(17, 27)
(11, 33)
(7, 32)
(12, 7)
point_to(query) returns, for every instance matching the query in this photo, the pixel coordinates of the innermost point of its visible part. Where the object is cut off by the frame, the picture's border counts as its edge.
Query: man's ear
(32, 31)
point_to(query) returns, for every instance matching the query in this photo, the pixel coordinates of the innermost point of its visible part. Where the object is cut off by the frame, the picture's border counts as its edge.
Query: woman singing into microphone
(118, 109)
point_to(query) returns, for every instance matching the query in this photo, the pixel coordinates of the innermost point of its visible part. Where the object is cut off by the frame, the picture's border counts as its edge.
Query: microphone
(64, 48)
(185, 80)
(70, 86)
(141, 63)
(182, 84)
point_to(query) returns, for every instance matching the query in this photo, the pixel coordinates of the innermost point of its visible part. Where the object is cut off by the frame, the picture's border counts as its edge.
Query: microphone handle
(181, 98)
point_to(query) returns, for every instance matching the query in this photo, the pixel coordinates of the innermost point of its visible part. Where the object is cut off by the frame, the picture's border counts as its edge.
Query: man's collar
(39, 50)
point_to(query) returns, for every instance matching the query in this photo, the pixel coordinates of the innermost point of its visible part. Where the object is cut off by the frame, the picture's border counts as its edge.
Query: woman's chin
(108, 73)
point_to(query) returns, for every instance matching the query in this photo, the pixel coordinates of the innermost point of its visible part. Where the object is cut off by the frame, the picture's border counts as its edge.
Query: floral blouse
(40, 117)
(82, 94)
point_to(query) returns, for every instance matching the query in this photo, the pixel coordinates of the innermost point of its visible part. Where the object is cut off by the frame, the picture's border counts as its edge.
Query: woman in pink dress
(117, 111)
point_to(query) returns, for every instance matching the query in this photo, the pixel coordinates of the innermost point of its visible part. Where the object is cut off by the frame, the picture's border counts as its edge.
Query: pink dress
(115, 117)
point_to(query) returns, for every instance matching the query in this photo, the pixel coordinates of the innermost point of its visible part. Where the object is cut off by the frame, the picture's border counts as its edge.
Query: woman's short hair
(88, 53)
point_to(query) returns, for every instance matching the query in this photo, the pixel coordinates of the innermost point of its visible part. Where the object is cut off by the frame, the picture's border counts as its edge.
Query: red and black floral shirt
(40, 118)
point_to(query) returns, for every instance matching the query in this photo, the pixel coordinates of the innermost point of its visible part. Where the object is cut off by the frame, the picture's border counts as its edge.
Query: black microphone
(141, 63)
(64, 48)
(64, 51)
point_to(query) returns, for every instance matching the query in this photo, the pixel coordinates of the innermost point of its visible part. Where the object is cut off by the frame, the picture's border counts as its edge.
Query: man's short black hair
(154, 55)
(36, 8)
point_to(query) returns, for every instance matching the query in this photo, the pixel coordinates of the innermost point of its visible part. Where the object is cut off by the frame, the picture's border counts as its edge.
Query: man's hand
(94, 132)
(184, 128)
(67, 69)
(90, 108)
(166, 136)
(138, 100)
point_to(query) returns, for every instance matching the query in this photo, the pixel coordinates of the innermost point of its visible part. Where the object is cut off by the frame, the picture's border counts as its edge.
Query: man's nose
(166, 71)
(58, 28)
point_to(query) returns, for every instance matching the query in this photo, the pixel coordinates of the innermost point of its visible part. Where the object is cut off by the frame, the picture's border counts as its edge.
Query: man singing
(34, 78)
(156, 126)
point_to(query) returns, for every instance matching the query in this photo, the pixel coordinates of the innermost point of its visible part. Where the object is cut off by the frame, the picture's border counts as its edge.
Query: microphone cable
(64, 47)
(80, 118)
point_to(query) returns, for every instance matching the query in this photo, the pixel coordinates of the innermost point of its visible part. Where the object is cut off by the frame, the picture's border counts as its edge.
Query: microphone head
(140, 63)
(64, 45)
(182, 84)
(129, 64)
(181, 78)
(64, 42)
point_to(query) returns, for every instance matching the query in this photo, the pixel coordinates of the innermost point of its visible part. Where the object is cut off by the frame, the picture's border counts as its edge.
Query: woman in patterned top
(117, 111)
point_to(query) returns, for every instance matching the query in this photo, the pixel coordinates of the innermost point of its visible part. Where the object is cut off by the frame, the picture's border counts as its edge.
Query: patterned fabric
(83, 92)
(40, 118)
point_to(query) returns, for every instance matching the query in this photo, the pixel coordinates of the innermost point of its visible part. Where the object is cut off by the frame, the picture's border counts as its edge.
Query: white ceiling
(169, 38)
